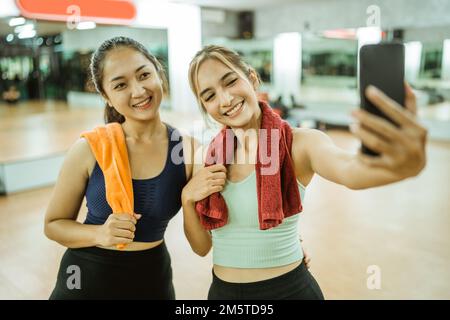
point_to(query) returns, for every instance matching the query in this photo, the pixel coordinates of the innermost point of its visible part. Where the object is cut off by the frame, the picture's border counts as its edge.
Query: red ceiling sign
(102, 11)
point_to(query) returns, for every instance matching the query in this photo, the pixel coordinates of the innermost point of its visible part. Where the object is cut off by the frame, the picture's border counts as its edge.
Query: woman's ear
(164, 86)
(254, 79)
(107, 101)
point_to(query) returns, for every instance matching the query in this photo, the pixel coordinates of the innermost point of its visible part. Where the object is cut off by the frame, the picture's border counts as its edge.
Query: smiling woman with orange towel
(132, 186)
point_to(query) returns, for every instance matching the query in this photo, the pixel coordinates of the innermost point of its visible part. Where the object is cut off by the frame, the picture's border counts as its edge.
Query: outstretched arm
(402, 148)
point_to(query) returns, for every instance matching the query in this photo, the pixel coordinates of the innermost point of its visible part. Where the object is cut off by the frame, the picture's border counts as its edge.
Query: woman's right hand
(205, 182)
(119, 228)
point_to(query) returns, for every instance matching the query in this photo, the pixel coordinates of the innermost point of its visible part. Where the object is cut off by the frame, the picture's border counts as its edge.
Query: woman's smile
(143, 105)
(236, 110)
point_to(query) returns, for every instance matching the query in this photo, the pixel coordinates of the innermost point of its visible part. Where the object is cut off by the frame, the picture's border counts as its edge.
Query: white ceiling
(237, 4)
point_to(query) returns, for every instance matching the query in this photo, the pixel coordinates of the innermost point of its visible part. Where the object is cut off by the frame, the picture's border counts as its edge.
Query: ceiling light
(25, 27)
(16, 21)
(27, 34)
(85, 25)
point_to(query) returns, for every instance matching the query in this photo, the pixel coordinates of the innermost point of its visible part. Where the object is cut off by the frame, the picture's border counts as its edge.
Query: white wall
(8, 8)
(287, 65)
(446, 60)
(215, 27)
(90, 39)
(184, 38)
(429, 35)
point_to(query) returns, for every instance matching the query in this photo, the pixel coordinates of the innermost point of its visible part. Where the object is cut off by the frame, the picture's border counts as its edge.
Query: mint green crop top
(241, 244)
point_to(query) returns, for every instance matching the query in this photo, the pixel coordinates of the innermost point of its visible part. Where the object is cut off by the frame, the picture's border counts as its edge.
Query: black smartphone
(383, 66)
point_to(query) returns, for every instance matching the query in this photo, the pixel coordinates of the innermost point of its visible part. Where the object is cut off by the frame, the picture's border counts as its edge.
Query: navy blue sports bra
(157, 199)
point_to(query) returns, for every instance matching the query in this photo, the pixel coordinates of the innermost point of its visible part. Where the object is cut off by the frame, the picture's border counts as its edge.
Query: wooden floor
(36, 129)
(401, 228)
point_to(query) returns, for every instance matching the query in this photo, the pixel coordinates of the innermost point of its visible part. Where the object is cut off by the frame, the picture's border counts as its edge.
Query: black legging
(297, 284)
(111, 274)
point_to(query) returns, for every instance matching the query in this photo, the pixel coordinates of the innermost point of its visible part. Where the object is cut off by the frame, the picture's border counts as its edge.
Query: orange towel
(110, 150)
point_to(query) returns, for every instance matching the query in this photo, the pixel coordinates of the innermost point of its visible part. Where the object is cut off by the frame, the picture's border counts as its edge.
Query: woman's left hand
(402, 148)
(306, 257)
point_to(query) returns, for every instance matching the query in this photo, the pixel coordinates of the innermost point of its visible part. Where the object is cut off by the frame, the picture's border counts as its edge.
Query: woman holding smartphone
(258, 259)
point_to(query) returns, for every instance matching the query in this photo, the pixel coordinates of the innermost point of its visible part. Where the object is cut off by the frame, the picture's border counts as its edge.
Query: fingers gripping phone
(383, 66)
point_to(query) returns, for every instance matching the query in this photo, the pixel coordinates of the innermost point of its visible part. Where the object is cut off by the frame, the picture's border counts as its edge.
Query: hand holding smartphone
(383, 66)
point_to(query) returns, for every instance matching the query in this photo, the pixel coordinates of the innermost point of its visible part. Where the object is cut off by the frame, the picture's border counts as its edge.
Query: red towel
(278, 195)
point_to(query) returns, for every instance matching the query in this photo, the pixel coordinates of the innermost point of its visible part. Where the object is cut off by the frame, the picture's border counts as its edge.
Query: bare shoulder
(305, 141)
(81, 147)
(301, 138)
(192, 152)
(198, 154)
(187, 141)
(305, 138)
(308, 135)
(81, 156)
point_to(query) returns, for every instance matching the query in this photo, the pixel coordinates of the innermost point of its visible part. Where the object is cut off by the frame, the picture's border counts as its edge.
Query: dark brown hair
(98, 61)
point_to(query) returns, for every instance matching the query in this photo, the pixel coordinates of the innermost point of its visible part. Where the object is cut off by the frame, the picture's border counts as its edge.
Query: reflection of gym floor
(35, 135)
(435, 117)
(401, 228)
(37, 129)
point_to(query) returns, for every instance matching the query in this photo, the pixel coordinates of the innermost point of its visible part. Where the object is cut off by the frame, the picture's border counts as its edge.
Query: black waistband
(300, 270)
(100, 254)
